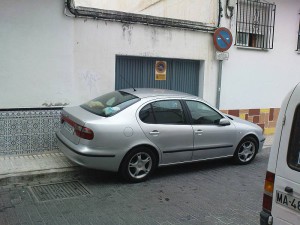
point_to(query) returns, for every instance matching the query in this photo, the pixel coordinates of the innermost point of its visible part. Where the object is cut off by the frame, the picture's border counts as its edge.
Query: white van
(281, 201)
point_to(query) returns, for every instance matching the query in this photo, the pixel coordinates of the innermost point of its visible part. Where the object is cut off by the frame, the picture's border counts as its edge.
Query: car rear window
(110, 104)
(293, 157)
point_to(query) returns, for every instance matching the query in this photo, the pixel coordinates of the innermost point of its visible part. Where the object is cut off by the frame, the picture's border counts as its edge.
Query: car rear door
(286, 199)
(165, 125)
(211, 140)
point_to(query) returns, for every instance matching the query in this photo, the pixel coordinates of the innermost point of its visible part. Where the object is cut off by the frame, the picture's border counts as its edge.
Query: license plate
(288, 201)
(68, 127)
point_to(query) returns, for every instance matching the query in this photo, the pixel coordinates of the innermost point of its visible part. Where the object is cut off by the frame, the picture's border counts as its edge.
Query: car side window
(146, 114)
(293, 156)
(163, 112)
(168, 112)
(203, 114)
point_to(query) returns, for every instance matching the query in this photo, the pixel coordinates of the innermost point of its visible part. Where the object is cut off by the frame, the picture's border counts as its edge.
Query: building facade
(63, 53)
(259, 74)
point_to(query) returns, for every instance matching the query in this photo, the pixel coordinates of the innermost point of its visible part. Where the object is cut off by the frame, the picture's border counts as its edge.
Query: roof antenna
(127, 82)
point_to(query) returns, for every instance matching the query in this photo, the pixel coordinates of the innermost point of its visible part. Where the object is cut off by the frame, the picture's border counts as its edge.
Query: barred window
(255, 24)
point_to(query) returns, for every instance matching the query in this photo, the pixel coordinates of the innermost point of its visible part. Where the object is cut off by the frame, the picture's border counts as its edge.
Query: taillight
(268, 191)
(80, 131)
(84, 132)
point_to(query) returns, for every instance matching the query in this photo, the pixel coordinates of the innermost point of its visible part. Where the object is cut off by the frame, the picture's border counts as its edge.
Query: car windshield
(110, 104)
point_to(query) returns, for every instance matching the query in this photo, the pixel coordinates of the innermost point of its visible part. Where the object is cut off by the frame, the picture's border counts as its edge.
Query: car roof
(154, 92)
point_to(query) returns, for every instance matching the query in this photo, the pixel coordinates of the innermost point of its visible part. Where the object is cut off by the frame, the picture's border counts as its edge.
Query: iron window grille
(255, 22)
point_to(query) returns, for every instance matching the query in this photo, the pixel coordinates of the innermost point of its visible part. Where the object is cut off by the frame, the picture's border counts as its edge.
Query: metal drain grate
(57, 191)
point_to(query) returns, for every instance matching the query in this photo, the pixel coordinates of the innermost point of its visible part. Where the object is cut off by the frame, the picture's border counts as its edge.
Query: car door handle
(289, 189)
(154, 132)
(199, 132)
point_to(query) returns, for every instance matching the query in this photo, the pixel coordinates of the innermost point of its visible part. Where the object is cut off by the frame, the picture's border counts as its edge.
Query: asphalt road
(208, 193)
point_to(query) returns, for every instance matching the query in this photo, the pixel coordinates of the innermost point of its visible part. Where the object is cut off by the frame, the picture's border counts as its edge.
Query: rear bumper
(265, 218)
(90, 158)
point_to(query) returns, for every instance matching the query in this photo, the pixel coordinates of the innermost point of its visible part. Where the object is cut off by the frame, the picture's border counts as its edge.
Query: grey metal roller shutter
(139, 72)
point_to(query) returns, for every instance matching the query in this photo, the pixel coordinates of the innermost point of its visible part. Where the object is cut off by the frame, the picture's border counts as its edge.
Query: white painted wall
(261, 79)
(36, 54)
(95, 53)
(193, 10)
(48, 58)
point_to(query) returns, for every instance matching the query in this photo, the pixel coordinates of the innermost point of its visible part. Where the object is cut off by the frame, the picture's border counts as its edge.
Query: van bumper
(266, 218)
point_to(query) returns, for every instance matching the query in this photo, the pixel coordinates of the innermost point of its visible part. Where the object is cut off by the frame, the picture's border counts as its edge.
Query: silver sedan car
(134, 131)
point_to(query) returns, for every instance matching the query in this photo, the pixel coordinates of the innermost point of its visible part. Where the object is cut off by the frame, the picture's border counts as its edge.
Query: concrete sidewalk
(21, 169)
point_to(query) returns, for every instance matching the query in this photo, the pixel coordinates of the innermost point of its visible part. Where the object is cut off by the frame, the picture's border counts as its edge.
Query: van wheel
(245, 151)
(138, 165)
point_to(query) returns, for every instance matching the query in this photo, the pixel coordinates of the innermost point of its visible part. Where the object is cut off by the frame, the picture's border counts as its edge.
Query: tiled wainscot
(28, 131)
(265, 118)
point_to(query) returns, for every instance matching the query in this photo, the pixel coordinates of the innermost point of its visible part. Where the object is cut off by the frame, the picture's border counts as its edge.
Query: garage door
(140, 72)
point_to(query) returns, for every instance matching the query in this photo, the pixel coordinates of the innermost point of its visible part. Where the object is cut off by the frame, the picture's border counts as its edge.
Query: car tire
(138, 165)
(245, 151)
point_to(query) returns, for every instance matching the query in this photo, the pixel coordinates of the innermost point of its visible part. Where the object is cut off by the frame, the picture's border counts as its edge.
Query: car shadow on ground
(92, 176)
(98, 177)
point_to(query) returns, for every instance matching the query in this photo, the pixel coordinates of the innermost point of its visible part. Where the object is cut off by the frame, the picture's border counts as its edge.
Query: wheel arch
(236, 158)
(253, 136)
(152, 148)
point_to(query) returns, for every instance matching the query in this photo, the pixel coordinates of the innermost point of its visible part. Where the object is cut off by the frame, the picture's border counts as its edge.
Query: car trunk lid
(73, 119)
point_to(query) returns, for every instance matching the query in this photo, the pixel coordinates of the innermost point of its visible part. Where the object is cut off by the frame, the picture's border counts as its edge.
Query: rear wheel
(138, 165)
(245, 151)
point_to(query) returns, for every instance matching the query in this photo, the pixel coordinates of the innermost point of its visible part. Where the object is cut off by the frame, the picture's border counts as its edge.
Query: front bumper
(90, 158)
(261, 144)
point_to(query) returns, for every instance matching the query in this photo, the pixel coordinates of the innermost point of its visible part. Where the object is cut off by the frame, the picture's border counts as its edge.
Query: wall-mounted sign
(160, 70)
(222, 39)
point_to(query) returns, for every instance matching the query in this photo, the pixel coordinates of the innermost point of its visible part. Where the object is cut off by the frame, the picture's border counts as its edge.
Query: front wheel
(245, 151)
(138, 165)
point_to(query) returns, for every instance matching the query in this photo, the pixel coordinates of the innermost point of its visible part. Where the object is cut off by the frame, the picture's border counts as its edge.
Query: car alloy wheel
(138, 164)
(246, 151)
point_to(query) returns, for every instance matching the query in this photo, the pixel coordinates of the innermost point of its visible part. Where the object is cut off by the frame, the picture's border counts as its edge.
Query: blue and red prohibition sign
(222, 39)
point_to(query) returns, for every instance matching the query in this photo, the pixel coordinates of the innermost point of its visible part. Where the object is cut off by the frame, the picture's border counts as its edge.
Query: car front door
(211, 140)
(165, 125)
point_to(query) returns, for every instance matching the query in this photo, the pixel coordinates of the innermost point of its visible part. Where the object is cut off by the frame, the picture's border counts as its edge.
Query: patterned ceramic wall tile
(265, 118)
(28, 131)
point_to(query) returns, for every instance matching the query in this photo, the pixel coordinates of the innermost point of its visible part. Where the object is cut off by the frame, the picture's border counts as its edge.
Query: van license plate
(288, 201)
(68, 127)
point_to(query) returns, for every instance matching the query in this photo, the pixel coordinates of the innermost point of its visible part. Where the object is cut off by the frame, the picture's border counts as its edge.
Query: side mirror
(224, 122)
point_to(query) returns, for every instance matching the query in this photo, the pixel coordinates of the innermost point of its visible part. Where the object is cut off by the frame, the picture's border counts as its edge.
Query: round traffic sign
(161, 66)
(222, 39)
